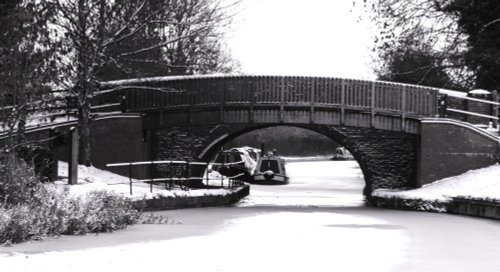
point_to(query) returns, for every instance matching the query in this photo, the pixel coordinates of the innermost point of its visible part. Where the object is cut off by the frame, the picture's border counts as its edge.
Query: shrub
(17, 180)
(31, 210)
(99, 211)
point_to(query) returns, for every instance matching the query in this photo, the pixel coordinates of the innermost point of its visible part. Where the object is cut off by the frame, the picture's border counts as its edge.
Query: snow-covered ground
(282, 228)
(481, 183)
(91, 178)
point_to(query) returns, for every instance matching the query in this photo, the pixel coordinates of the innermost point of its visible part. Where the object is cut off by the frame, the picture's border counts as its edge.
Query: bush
(99, 211)
(17, 180)
(54, 212)
(31, 210)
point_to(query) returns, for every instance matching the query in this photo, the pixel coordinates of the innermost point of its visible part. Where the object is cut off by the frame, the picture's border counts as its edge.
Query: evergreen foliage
(480, 21)
(27, 65)
(441, 43)
(32, 210)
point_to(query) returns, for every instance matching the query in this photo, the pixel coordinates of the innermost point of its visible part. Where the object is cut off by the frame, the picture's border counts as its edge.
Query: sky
(303, 38)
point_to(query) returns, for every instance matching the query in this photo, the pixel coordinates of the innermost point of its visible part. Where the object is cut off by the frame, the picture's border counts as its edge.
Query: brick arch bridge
(393, 130)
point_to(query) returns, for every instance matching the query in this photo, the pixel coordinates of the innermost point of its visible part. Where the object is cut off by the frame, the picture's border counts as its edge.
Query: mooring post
(73, 157)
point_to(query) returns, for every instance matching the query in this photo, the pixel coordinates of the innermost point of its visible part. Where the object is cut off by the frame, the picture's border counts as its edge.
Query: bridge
(403, 136)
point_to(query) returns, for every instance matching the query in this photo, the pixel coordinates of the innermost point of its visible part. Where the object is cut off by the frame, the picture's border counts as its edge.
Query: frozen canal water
(316, 223)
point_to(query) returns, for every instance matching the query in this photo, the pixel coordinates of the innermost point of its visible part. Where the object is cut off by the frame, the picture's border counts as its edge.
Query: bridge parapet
(282, 99)
(181, 92)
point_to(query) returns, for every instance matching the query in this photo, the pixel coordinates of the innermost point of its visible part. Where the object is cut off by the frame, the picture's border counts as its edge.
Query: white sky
(302, 37)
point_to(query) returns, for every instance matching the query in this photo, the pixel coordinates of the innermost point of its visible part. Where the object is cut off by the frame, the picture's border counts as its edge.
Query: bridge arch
(333, 134)
(386, 158)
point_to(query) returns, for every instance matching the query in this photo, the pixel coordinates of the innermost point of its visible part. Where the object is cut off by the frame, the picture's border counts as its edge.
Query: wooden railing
(267, 92)
(346, 94)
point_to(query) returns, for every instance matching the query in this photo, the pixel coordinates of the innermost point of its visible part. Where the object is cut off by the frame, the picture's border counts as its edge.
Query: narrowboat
(270, 170)
(342, 154)
(237, 162)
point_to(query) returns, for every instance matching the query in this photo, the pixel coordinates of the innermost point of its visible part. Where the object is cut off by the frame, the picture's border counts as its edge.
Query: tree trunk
(84, 87)
(84, 129)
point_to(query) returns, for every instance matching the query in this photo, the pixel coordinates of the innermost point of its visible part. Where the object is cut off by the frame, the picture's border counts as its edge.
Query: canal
(318, 222)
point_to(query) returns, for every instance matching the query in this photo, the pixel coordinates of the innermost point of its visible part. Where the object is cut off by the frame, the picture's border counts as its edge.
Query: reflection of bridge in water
(393, 130)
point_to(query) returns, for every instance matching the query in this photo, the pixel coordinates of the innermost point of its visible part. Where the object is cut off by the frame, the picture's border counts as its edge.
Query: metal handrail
(170, 181)
(473, 113)
(474, 99)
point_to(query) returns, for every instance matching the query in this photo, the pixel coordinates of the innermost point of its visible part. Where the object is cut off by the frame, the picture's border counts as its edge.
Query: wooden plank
(342, 102)
(372, 105)
(282, 99)
(251, 87)
(312, 95)
(403, 108)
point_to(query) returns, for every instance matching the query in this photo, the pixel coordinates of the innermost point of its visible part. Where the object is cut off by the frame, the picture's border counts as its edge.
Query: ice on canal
(313, 183)
(318, 222)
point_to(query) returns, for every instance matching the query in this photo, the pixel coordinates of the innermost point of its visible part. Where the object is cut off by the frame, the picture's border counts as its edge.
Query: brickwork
(449, 148)
(388, 159)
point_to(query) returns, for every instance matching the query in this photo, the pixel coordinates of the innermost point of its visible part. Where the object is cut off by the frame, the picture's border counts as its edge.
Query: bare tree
(115, 39)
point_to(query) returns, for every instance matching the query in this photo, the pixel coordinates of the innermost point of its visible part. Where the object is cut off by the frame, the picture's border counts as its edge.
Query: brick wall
(112, 140)
(449, 149)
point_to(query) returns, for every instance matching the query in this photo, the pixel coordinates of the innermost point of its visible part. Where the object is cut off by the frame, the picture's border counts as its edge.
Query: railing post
(208, 180)
(123, 103)
(494, 98)
(187, 175)
(130, 177)
(442, 105)
(151, 177)
(222, 166)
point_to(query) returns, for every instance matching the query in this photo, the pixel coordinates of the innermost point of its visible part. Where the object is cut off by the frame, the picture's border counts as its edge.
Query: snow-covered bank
(475, 184)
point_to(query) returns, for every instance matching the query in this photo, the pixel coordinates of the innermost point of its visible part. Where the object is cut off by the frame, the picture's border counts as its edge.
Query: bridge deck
(268, 99)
